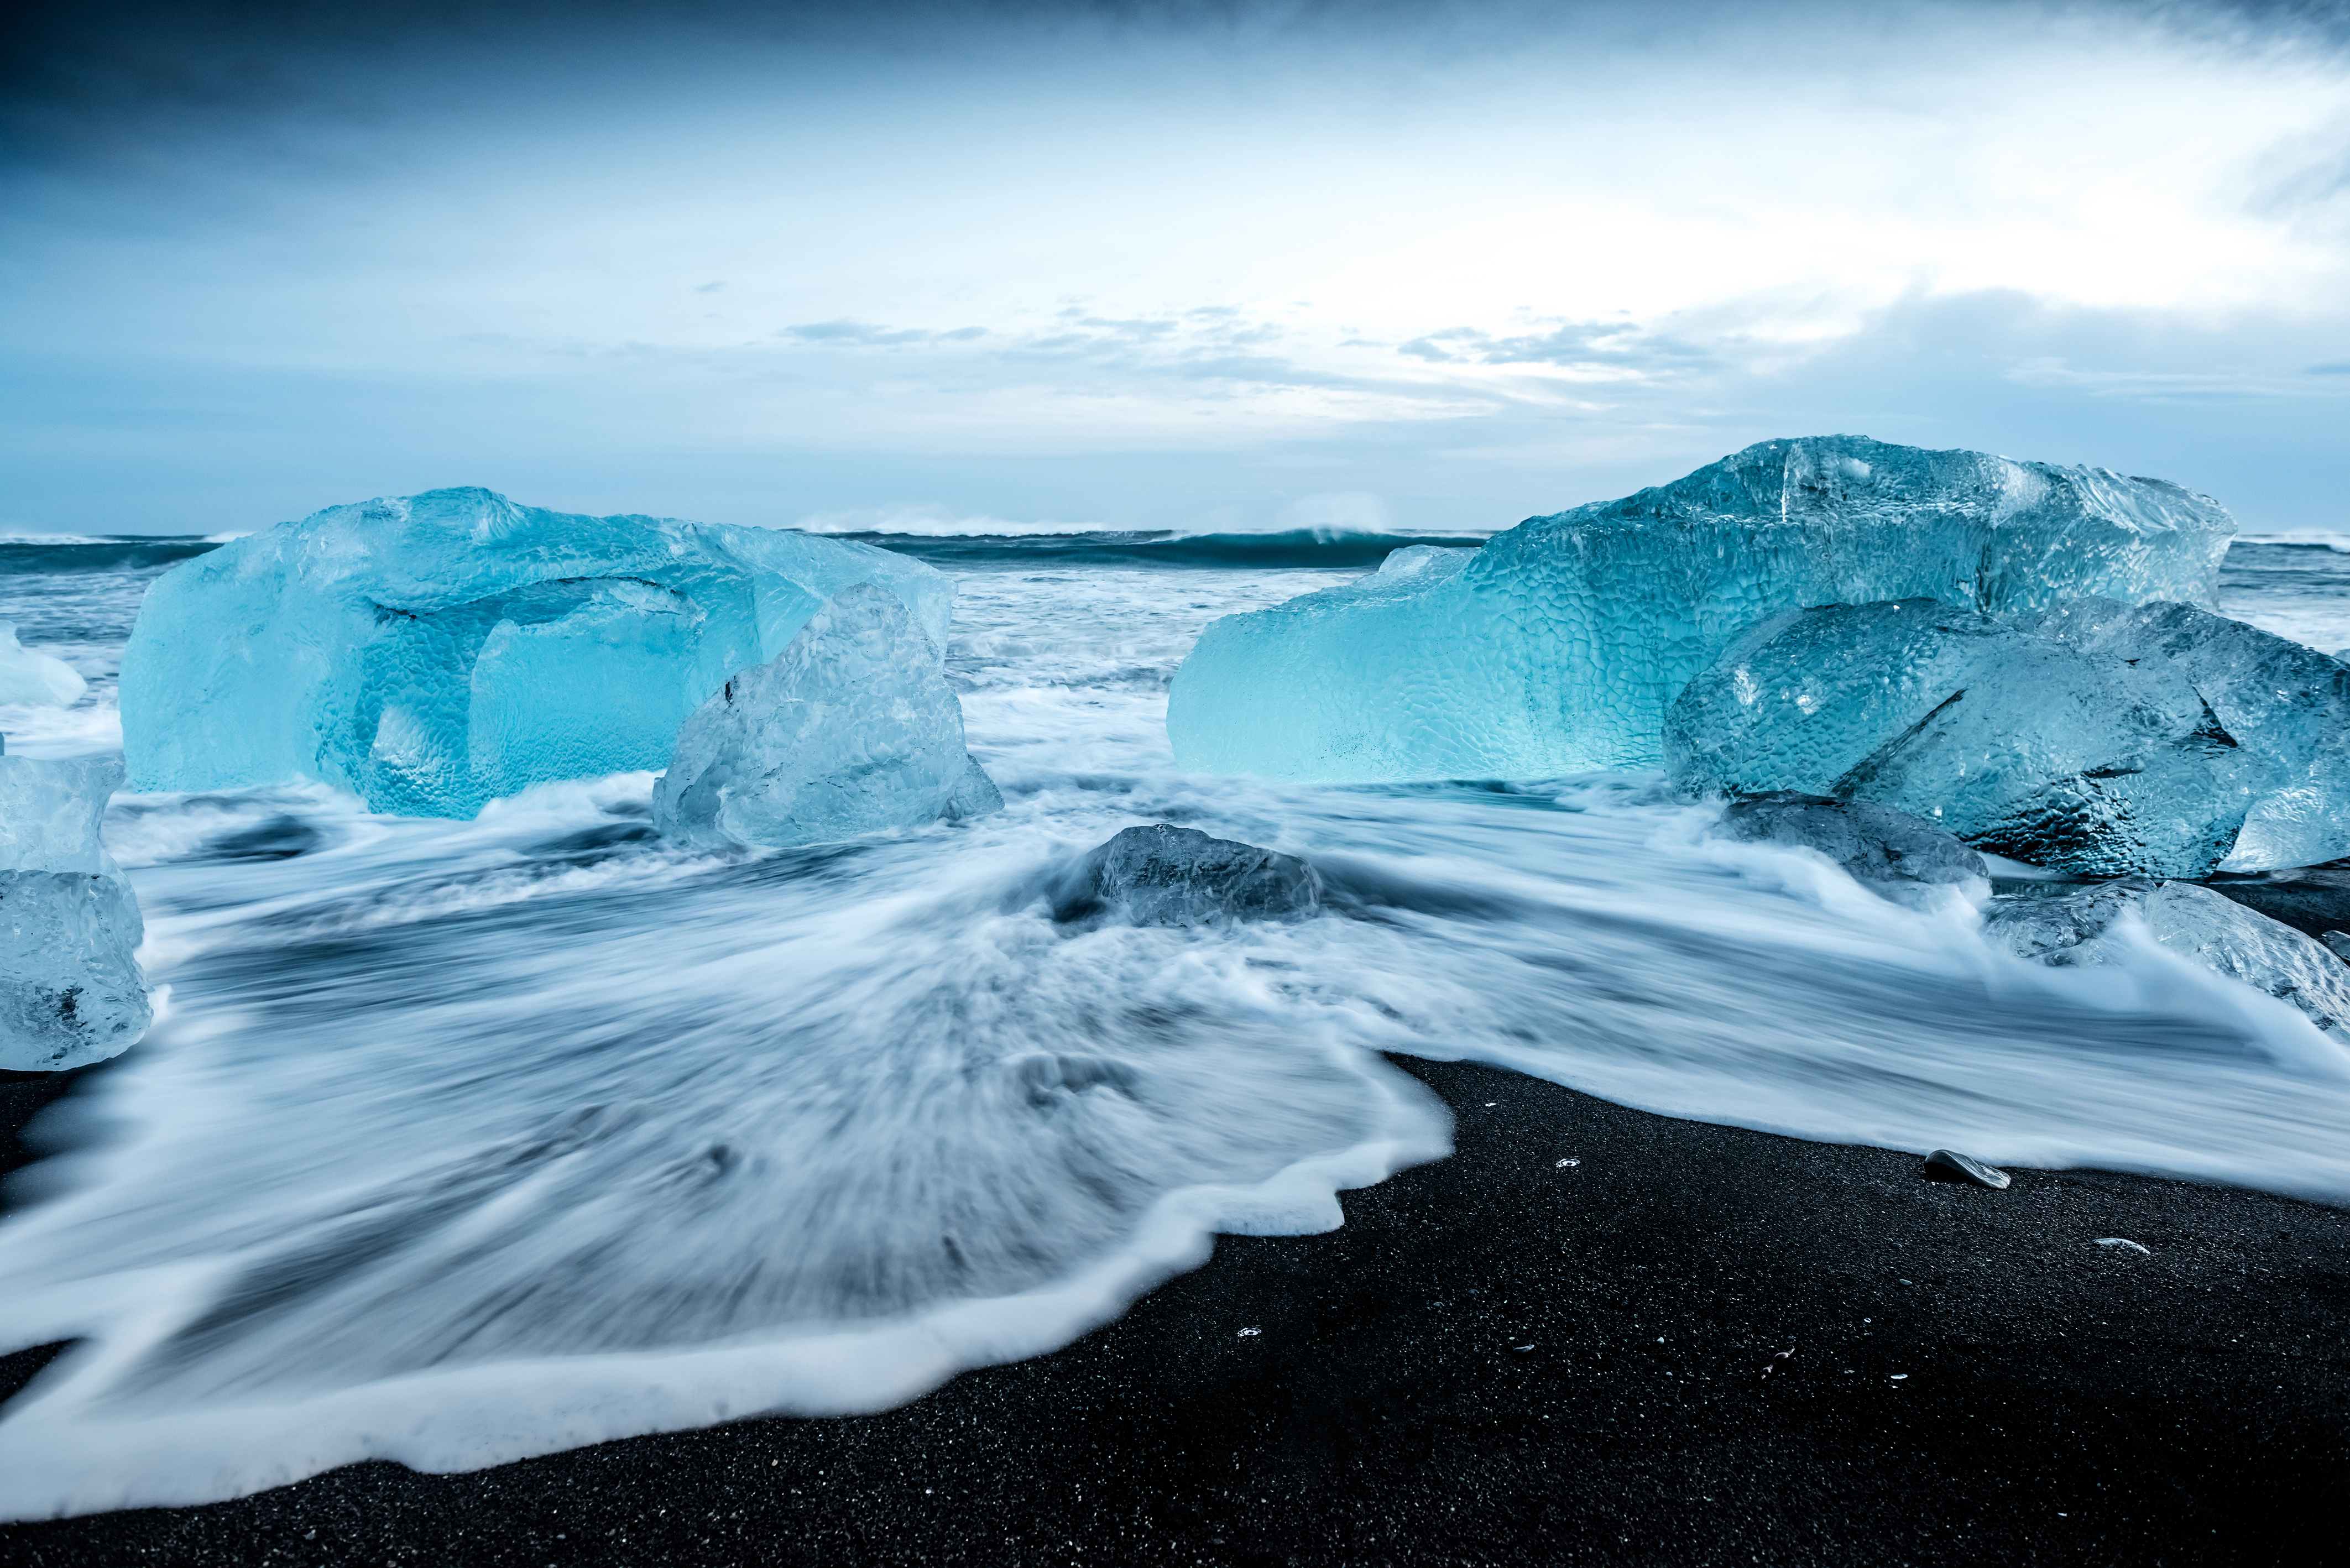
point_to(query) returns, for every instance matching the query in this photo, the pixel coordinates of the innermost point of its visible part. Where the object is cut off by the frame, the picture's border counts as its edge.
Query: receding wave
(463, 1141)
(1297, 547)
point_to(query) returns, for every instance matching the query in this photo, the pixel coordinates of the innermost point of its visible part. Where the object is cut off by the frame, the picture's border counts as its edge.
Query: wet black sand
(1974, 1380)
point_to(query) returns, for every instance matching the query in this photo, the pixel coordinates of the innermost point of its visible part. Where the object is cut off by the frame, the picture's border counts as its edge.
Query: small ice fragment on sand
(1899, 1375)
(1949, 1164)
(1247, 1333)
(2124, 1242)
(1563, 1164)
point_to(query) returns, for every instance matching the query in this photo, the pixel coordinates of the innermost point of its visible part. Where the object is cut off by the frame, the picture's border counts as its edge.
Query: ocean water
(458, 1142)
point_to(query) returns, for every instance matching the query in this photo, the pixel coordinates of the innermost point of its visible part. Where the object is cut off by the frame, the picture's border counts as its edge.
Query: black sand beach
(1504, 1359)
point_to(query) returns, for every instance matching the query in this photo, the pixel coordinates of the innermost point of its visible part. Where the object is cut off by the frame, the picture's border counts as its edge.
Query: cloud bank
(1152, 268)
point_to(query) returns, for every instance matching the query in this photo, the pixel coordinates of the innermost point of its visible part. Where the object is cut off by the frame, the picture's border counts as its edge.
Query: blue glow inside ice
(434, 652)
(1559, 646)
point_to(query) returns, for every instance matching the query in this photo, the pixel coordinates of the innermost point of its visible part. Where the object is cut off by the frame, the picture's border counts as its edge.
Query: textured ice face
(1559, 646)
(2288, 702)
(2096, 738)
(70, 991)
(434, 652)
(2018, 743)
(851, 730)
(33, 678)
(2194, 922)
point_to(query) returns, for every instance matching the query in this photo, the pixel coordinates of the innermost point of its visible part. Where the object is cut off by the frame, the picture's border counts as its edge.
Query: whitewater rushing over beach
(461, 1141)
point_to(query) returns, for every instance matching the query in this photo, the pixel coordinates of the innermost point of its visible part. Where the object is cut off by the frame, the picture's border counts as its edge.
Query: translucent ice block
(851, 730)
(70, 991)
(433, 652)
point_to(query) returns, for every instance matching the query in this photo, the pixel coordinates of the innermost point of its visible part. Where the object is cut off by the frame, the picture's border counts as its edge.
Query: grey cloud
(1575, 344)
(864, 335)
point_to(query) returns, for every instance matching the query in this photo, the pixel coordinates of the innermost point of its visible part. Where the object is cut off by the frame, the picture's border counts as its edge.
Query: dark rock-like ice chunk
(851, 730)
(1164, 876)
(2194, 922)
(1875, 843)
(2055, 750)
(2313, 899)
(71, 991)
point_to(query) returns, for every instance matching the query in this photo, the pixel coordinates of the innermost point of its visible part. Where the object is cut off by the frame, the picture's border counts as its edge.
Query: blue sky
(1247, 266)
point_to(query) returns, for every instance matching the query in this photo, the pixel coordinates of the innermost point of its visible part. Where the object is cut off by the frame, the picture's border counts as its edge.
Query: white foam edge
(60, 1456)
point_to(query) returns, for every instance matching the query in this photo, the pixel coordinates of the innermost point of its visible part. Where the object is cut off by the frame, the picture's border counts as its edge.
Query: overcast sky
(1145, 266)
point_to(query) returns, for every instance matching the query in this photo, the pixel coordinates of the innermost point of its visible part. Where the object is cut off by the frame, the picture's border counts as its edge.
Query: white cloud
(1577, 248)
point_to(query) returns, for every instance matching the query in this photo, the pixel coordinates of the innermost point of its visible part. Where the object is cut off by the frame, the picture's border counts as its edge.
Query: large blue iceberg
(71, 991)
(2098, 737)
(1560, 644)
(851, 730)
(434, 652)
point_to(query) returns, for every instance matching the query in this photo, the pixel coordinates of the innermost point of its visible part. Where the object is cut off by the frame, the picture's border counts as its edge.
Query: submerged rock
(431, 652)
(71, 991)
(1560, 644)
(1875, 843)
(2194, 922)
(280, 838)
(851, 730)
(1164, 876)
(1949, 1164)
(2070, 740)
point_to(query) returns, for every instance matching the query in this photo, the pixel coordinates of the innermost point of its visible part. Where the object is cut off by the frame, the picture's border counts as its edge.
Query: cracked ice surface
(1559, 646)
(433, 652)
(2098, 737)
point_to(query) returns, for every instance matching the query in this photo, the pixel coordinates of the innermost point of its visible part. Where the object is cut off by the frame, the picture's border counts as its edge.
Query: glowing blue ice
(1559, 646)
(434, 652)
(70, 991)
(851, 730)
